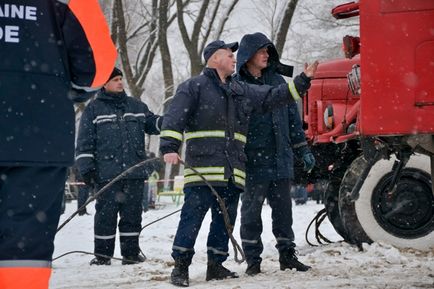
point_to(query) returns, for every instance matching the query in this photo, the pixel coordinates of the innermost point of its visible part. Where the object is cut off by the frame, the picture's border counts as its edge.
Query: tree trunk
(283, 28)
(164, 50)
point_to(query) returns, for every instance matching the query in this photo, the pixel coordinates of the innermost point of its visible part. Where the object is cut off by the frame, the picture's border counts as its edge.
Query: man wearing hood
(272, 139)
(110, 140)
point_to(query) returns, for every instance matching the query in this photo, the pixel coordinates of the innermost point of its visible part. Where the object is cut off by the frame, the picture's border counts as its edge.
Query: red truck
(370, 121)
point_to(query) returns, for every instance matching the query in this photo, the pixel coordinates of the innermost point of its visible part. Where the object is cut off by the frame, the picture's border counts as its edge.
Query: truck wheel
(331, 203)
(355, 232)
(405, 219)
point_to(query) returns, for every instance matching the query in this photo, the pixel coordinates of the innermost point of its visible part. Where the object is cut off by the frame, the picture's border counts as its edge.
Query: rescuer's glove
(306, 156)
(308, 161)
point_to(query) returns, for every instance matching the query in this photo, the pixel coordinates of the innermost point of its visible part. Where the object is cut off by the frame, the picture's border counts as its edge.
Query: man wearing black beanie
(110, 140)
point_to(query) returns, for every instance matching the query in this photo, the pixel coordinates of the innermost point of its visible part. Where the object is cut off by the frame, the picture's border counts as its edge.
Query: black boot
(179, 276)
(100, 261)
(127, 260)
(216, 271)
(253, 269)
(288, 260)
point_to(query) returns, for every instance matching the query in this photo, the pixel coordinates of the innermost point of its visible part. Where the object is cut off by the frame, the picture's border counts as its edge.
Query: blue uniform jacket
(111, 136)
(272, 136)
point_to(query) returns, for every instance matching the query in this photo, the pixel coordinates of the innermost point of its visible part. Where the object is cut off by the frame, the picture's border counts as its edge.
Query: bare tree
(204, 19)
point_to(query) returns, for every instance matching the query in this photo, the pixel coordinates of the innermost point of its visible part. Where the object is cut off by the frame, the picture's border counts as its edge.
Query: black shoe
(216, 271)
(288, 260)
(253, 269)
(128, 260)
(100, 261)
(179, 276)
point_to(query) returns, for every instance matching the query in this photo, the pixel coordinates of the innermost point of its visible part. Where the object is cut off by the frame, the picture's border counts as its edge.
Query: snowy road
(334, 266)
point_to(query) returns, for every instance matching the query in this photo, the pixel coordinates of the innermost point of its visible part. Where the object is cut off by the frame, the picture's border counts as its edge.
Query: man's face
(114, 85)
(260, 59)
(225, 61)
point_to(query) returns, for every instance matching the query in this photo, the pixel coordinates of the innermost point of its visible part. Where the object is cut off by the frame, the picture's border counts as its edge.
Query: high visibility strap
(213, 133)
(240, 137)
(129, 234)
(239, 173)
(171, 133)
(105, 237)
(213, 174)
(195, 178)
(91, 18)
(204, 133)
(240, 181)
(25, 263)
(205, 170)
(293, 90)
(84, 156)
(217, 251)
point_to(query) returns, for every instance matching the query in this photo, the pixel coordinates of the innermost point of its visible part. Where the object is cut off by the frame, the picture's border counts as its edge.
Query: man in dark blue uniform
(213, 111)
(272, 139)
(49, 51)
(111, 139)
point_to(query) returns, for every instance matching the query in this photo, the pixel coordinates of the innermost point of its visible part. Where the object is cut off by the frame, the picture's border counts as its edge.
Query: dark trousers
(197, 202)
(30, 203)
(279, 198)
(123, 197)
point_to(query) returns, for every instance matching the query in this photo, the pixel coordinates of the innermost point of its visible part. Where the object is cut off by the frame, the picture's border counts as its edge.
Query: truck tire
(331, 203)
(355, 232)
(405, 219)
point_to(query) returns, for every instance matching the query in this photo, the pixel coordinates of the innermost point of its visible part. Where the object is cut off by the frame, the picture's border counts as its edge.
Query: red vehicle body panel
(330, 88)
(397, 67)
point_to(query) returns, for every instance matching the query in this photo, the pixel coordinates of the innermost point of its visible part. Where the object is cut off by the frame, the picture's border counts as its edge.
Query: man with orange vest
(51, 53)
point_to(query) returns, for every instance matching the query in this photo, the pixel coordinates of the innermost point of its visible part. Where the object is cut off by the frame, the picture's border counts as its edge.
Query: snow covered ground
(337, 265)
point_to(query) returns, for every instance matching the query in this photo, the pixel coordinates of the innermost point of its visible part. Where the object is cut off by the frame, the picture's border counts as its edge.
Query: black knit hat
(116, 72)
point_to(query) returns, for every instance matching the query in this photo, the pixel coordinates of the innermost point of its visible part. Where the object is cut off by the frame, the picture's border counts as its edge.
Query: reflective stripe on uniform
(134, 114)
(204, 133)
(171, 133)
(156, 123)
(239, 173)
(249, 241)
(240, 181)
(84, 156)
(293, 91)
(240, 137)
(104, 117)
(214, 133)
(182, 249)
(205, 170)
(129, 234)
(213, 174)
(25, 263)
(217, 251)
(196, 178)
(105, 237)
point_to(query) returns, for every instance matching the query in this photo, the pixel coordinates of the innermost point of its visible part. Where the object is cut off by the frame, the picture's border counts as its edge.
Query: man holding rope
(213, 110)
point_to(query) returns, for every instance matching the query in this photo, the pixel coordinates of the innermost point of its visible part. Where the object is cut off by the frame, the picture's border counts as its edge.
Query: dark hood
(251, 43)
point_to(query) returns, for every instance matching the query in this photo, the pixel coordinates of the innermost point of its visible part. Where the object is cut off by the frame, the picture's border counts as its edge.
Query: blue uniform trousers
(197, 202)
(123, 197)
(30, 204)
(279, 198)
